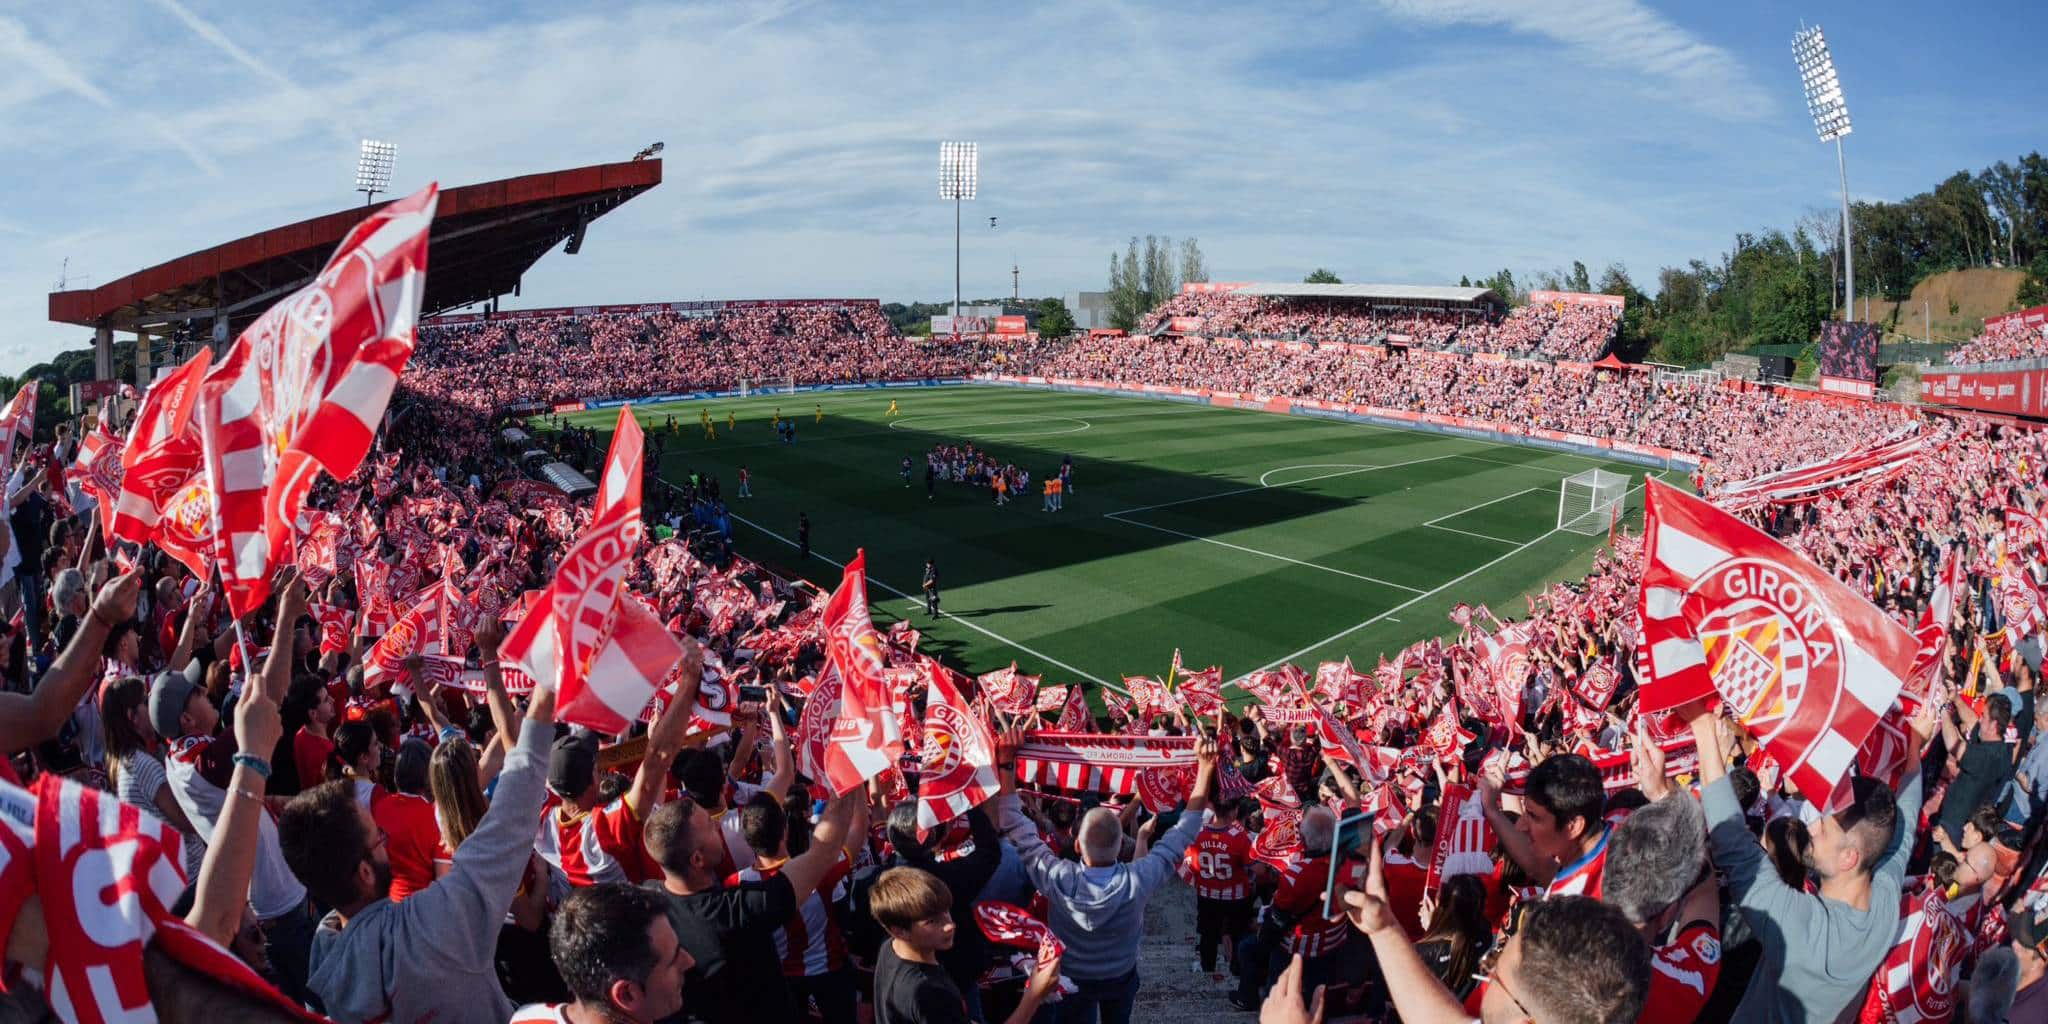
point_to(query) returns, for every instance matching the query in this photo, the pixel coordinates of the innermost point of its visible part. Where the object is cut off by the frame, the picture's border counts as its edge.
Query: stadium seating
(2008, 340)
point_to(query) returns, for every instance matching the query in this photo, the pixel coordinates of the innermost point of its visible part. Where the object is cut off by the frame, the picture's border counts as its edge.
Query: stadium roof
(485, 238)
(1383, 292)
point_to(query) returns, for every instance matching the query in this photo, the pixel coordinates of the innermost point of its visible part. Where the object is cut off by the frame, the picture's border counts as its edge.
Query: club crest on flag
(1763, 637)
(952, 745)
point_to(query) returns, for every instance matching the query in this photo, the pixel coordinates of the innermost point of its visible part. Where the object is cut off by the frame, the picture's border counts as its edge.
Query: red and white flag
(1807, 664)
(2026, 535)
(17, 422)
(1462, 838)
(1932, 632)
(2019, 602)
(957, 757)
(1201, 690)
(1151, 696)
(98, 469)
(161, 454)
(1918, 981)
(1009, 690)
(304, 387)
(866, 739)
(1074, 716)
(603, 652)
(1051, 698)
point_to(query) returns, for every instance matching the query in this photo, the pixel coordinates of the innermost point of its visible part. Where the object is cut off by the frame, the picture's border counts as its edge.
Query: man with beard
(432, 956)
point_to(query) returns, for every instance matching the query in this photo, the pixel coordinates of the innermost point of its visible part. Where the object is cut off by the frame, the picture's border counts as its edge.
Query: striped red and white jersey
(1301, 893)
(598, 846)
(541, 1013)
(1218, 863)
(811, 943)
(1582, 877)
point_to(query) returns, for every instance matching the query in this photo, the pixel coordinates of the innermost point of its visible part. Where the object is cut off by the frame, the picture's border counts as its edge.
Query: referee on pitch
(931, 589)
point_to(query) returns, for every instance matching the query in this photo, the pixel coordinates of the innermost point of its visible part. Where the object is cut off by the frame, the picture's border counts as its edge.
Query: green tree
(1321, 275)
(1054, 319)
(1578, 280)
(1194, 268)
(2034, 290)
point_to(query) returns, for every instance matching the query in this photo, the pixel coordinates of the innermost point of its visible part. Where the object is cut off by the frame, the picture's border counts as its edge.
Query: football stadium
(547, 585)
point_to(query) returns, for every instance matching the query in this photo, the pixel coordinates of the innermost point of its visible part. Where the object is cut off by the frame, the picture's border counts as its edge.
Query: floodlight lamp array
(1822, 86)
(373, 165)
(959, 169)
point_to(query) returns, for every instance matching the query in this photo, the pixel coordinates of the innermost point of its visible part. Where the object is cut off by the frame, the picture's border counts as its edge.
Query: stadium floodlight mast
(1831, 121)
(373, 168)
(959, 172)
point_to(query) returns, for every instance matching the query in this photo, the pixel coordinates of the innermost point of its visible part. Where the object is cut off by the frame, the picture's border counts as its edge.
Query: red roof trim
(85, 307)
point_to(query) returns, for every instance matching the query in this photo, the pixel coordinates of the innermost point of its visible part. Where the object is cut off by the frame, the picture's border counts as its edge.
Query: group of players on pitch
(965, 464)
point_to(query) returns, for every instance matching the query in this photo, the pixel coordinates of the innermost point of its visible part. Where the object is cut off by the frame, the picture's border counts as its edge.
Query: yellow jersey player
(892, 408)
(732, 423)
(821, 414)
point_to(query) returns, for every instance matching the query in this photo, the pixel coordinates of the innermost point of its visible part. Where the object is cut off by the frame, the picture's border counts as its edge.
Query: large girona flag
(303, 389)
(161, 455)
(1804, 662)
(958, 756)
(603, 653)
(867, 738)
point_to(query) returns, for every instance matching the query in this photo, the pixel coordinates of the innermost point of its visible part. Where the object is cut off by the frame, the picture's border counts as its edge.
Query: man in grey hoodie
(1098, 905)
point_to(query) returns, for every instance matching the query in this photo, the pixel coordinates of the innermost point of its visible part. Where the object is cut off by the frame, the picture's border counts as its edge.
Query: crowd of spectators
(488, 366)
(2010, 339)
(1745, 433)
(1567, 332)
(366, 837)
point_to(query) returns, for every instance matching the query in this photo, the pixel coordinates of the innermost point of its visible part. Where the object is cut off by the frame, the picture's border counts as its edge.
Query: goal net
(1588, 502)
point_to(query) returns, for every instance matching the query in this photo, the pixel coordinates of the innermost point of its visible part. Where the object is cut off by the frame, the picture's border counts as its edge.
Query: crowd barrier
(1455, 426)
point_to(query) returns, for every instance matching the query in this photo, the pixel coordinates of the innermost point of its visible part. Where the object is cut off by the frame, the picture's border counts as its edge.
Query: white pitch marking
(1266, 554)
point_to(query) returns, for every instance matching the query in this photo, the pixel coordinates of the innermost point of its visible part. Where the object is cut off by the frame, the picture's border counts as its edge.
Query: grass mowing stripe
(1468, 533)
(1118, 517)
(1481, 505)
(1333, 638)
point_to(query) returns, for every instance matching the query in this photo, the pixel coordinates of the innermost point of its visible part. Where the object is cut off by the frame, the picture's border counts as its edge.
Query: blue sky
(1390, 140)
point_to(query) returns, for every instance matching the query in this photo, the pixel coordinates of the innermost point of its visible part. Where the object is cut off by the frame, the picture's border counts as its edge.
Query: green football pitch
(1243, 538)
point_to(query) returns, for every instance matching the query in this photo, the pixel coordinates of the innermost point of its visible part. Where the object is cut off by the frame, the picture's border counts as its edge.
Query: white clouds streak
(1619, 34)
(52, 67)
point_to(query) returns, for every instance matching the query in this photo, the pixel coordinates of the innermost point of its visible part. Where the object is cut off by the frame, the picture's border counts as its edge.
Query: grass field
(1243, 538)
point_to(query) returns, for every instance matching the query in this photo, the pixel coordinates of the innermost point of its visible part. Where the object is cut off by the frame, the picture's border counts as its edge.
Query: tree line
(1140, 281)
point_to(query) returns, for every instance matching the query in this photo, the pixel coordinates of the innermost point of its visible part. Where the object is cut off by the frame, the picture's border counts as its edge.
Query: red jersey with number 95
(1216, 863)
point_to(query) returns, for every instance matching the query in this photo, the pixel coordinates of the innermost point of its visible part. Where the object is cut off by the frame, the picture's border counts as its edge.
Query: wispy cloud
(1616, 34)
(206, 30)
(47, 63)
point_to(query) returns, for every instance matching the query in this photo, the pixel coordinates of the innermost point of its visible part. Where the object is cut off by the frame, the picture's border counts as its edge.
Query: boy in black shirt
(910, 986)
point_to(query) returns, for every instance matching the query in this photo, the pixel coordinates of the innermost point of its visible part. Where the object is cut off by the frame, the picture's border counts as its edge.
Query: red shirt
(605, 845)
(1682, 974)
(413, 841)
(1301, 893)
(1216, 863)
(1582, 877)
(309, 755)
(1406, 880)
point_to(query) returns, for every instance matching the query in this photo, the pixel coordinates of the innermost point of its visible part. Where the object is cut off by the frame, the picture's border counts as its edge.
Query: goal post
(1588, 502)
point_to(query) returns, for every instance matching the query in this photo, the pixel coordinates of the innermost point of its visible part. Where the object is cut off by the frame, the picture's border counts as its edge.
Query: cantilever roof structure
(485, 238)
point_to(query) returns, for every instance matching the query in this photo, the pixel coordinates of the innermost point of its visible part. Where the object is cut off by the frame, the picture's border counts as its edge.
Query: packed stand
(1745, 433)
(2010, 339)
(1573, 332)
(349, 820)
(497, 364)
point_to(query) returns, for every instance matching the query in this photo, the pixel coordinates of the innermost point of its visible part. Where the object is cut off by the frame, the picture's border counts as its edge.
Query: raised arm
(665, 736)
(1517, 846)
(838, 833)
(1419, 996)
(223, 884)
(504, 717)
(29, 719)
(785, 760)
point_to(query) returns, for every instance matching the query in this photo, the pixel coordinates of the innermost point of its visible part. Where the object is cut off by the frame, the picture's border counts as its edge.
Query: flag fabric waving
(1932, 630)
(98, 469)
(1010, 691)
(1804, 662)
(1074, 717)
(603, 652)
(303, 388)
(958, 762)
(161, 455)
(866, 740)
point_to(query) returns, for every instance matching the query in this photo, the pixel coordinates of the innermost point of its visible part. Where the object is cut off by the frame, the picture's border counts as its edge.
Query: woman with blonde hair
(524, 965)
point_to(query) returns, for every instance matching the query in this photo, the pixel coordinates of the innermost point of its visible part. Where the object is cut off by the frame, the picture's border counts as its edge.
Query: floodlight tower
(373, 168)
(1831, 121)
(959, 171)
